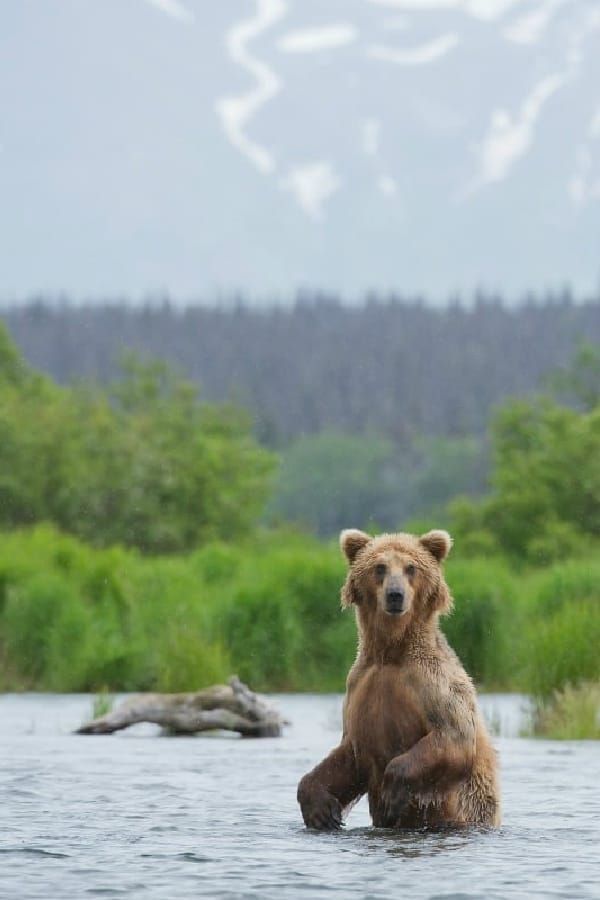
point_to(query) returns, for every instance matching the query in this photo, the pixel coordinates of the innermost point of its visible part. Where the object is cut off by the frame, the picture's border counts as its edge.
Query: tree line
(389, 367)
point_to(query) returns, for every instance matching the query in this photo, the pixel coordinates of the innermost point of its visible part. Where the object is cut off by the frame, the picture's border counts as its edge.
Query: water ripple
(34, 851)
(215, 818)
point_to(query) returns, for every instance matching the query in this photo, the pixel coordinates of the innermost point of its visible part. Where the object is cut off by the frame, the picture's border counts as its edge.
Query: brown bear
(413, 737)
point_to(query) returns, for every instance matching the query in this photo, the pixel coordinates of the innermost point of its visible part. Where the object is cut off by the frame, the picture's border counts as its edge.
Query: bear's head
(395, 580)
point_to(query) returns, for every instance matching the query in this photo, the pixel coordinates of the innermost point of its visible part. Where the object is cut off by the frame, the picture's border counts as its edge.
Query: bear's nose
(394, 600)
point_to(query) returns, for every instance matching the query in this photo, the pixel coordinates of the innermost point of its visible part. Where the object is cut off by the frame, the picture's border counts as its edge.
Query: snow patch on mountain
(236, 112)
(312, 185)
(415, 56)
(312, 40)
(175, 9)
(487, 10)
(530, 27)
(578, 186)
(509, 137)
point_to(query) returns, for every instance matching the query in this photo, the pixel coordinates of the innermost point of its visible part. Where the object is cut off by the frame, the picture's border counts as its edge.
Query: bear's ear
(351, 541)
(438, 543)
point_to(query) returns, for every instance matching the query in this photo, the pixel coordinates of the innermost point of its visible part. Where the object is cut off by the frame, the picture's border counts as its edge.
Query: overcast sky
(198, 148)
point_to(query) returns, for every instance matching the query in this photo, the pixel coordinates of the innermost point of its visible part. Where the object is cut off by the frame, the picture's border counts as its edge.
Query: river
(138, 815)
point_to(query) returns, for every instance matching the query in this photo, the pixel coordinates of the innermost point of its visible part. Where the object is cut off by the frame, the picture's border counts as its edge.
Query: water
(136, 815)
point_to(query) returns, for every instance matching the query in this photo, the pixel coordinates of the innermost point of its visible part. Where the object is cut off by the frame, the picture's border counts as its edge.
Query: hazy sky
(262, 146)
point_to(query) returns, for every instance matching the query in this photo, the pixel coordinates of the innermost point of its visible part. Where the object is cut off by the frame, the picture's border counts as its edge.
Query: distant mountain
(264, 145)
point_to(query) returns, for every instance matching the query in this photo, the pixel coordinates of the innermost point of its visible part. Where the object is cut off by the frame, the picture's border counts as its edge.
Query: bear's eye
(410, 570)
(380, 570)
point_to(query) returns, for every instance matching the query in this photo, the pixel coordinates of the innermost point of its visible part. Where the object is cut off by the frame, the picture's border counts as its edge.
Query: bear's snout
(394, 600)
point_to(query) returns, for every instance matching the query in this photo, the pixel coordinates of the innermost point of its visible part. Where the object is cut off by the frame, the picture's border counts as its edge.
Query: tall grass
(73, 618)
(562, 631)
(485, 623)
(571, 714)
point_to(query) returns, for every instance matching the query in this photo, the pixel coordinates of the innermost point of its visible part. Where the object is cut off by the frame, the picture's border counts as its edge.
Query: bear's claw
(324, 814)
(395, 798)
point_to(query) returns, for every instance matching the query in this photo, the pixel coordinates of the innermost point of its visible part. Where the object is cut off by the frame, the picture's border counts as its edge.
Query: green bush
(562, 633)
(484, 619)
(545, 500)
(142, 463)
(564, 649)
(566, 583)
(77, 618)
(283, 621)
(32, 613)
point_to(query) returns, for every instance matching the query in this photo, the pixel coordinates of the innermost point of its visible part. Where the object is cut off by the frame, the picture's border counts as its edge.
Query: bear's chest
(383, 715)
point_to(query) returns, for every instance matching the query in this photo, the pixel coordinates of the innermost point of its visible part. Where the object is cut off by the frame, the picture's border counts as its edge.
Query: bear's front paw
(320, 809)
(395, 795)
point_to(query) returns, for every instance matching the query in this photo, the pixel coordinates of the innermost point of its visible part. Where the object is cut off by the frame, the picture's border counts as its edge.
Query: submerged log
(229, 707)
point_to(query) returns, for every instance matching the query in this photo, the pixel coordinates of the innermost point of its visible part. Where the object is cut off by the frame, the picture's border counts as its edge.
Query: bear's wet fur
(413, 737)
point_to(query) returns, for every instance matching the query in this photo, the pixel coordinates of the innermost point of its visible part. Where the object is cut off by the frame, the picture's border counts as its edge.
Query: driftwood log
(230, 707)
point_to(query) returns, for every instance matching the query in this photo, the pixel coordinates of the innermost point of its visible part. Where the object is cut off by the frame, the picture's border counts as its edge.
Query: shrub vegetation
(75, 618)
(141, 463)
(131, 557)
